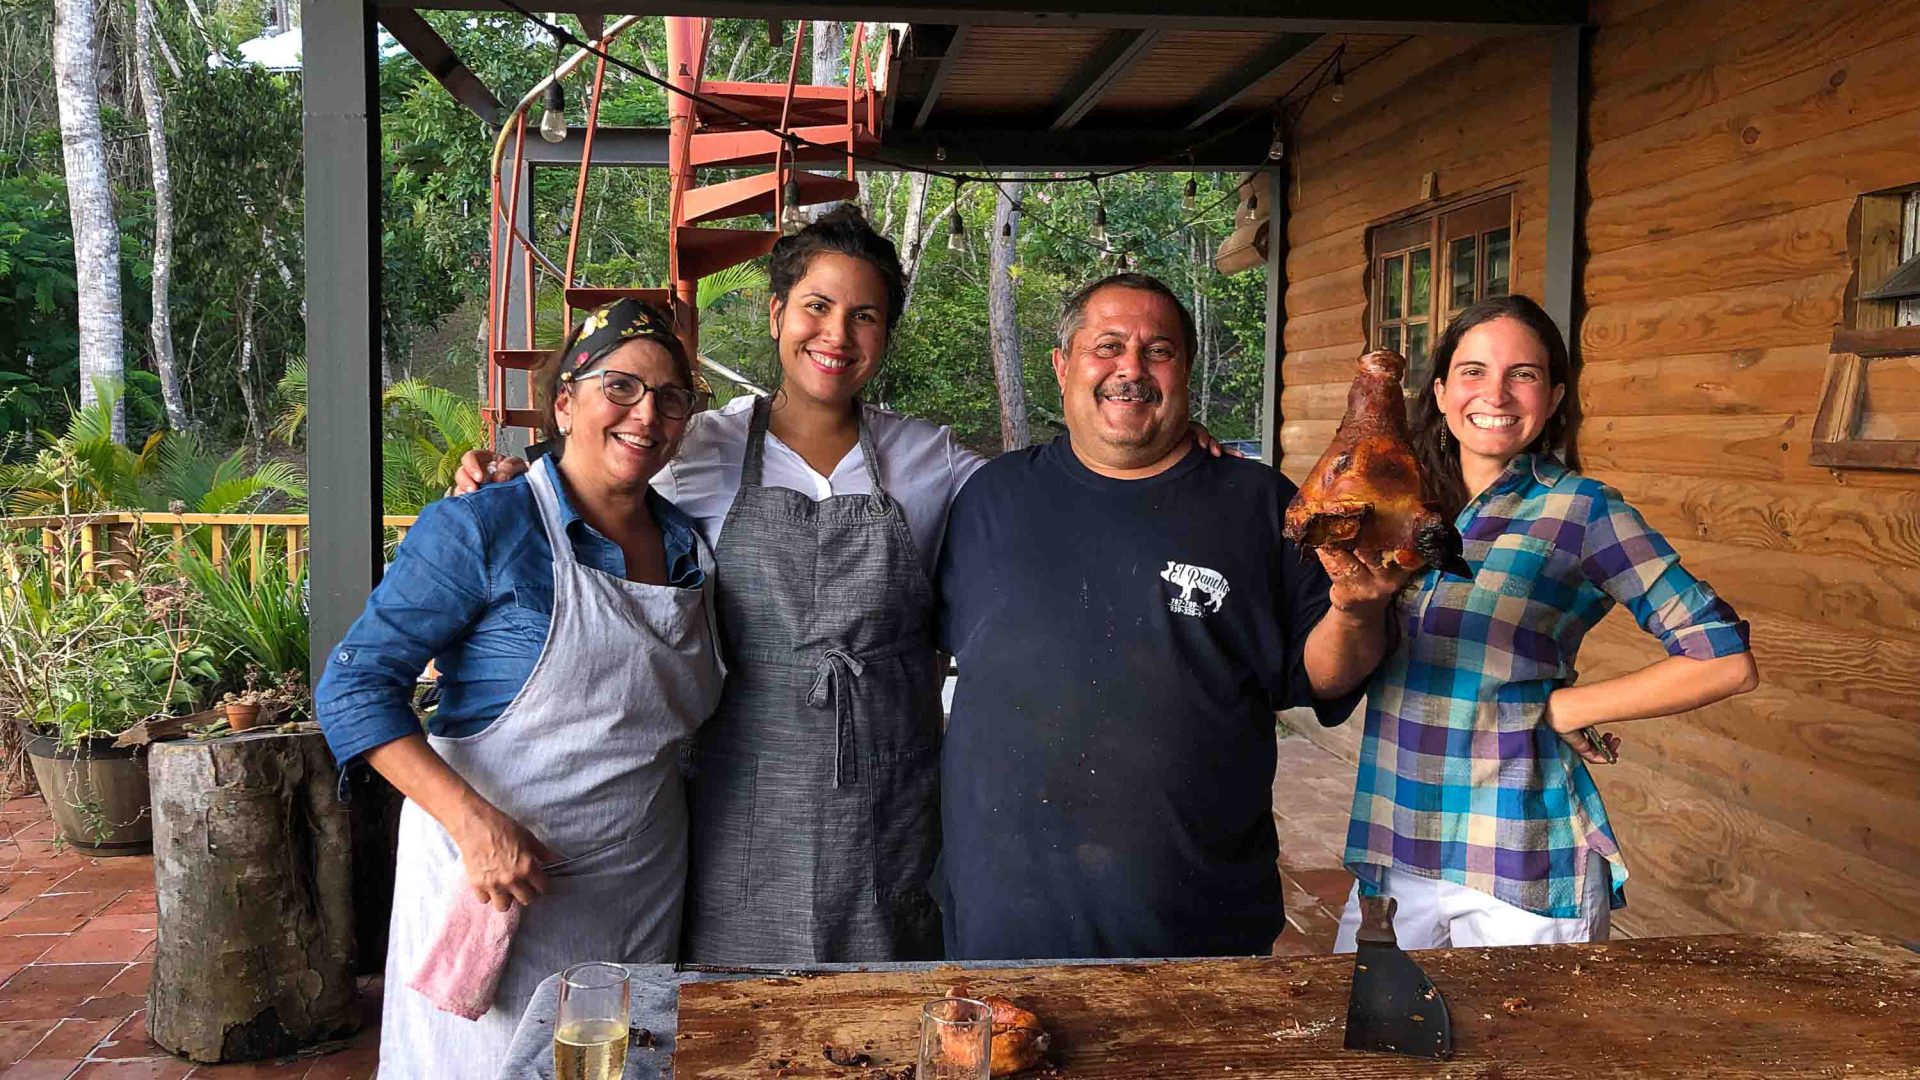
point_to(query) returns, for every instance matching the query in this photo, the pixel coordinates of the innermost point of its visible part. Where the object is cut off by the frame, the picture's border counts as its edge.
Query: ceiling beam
(1099, 74)
(939, 80)
(425, 44)
(1225, 92)
(1480, 17)
(1027, 150)
(967, 149)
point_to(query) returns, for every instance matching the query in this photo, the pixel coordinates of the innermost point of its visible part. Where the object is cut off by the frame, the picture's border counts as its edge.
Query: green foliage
(428, 429)
(80, 659)
(84, 470)
(255, 622)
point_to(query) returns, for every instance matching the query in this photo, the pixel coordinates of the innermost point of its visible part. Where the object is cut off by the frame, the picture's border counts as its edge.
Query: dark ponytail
(1441, 460)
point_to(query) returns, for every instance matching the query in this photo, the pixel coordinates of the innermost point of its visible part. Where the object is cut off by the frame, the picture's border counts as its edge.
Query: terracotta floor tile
(113, 875)
(40, 1008)
(42, 1069)
(55, 905)
(135, 902)
(10, 903)
(96, 946)
(19, 1037)
(130, 1039)
(133, 979)
(42, 924)
(25, 884)
(166, 1068)
(110, 1006)
(27, 949)
(79, 981)
(142, 921)
(74, 1039)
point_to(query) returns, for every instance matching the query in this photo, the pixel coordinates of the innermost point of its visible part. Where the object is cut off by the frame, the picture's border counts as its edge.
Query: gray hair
(1075, 311)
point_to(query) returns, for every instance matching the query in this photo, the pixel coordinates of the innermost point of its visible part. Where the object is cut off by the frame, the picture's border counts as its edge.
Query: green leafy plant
(429, 428)
(258, 624)
(83, 658)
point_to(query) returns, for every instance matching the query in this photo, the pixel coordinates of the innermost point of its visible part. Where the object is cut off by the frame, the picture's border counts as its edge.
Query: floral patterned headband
(611, 326)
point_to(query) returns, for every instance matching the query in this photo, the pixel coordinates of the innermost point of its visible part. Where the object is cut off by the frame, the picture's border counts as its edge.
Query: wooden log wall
(1727, 143)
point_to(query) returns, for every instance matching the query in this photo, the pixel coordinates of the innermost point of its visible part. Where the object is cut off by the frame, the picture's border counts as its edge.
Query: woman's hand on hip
(481, 467)
(1594, 746)
(502, 859)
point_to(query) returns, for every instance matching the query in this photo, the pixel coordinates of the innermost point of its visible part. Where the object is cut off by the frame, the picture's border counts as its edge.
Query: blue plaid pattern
(1460, 779)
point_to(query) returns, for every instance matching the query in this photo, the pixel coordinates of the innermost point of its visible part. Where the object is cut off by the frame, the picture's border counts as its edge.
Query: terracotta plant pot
(97, 793)
(242, 717)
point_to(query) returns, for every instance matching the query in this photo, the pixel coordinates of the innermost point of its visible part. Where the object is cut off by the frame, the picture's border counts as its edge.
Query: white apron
(586, 757)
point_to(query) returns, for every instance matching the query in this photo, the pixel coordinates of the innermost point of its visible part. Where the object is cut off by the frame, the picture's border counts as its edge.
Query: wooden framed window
(1424, 269)
(1869, 414)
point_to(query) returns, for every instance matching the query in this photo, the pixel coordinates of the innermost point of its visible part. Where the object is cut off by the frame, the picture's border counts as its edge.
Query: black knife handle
(1376, 920)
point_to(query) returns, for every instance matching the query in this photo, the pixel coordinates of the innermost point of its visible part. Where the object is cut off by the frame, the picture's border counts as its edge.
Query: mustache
(1145, 390)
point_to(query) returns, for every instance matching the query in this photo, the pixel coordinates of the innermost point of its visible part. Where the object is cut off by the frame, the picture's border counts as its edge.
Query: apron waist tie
(834, 676)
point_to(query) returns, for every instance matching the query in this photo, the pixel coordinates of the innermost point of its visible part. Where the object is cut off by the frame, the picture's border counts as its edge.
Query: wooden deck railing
(254, 537)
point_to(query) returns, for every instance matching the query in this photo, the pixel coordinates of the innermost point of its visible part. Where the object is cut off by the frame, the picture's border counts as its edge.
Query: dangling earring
(564, 432)
(1443, 438)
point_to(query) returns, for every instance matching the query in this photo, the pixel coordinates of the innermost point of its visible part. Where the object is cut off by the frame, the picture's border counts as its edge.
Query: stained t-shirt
(1122, 647)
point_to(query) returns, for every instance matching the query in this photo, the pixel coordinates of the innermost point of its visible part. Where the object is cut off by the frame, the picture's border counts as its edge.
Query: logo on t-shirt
(1191, 579)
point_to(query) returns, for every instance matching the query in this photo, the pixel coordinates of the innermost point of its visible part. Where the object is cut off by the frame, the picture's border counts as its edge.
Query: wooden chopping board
(1782, 1005)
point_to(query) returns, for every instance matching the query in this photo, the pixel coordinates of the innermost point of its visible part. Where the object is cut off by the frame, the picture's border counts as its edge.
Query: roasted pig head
(1364, 495)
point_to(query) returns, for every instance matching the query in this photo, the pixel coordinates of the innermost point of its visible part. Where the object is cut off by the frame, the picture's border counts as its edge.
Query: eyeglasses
(622, 388)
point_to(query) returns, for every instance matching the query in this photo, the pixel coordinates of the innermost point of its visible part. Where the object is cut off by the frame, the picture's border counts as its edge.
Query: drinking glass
(590, 1033)
(956, 1039)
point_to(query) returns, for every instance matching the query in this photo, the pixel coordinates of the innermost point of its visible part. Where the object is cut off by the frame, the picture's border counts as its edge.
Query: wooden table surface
(1781, 1005)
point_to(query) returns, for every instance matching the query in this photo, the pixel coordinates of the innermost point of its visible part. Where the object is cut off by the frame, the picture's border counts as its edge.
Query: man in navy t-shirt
(1127, 618)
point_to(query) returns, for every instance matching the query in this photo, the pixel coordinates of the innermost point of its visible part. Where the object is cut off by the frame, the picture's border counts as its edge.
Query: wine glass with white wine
(590, 1037)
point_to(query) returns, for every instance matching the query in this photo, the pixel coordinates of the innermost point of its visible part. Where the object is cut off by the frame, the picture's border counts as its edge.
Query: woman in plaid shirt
(1473, 807)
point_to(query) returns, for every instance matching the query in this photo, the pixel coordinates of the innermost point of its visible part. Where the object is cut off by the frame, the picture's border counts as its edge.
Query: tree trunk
(255, 425)
(252, 873)
(96, 234)
(155, 108)
(829, 42)
(913, 233)
(740, 53)
(1003, 325)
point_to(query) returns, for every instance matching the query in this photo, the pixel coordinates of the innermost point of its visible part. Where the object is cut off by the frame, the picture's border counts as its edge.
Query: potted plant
(83, 659)
(245, 708)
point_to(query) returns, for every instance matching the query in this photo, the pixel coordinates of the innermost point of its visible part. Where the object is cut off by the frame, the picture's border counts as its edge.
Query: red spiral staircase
(772, 128)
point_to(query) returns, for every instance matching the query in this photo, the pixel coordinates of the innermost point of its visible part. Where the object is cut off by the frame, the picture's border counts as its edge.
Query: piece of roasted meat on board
(1364, 495)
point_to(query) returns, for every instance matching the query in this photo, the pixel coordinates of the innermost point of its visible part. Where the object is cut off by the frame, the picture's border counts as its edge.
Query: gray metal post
(1567, 104)
(1274, 195)
(342, 152)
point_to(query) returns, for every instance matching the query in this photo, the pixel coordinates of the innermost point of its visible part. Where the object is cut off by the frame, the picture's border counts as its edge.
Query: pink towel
(462, 968)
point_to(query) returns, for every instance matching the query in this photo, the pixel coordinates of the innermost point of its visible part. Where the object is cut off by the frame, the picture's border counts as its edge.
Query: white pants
(1434, 914)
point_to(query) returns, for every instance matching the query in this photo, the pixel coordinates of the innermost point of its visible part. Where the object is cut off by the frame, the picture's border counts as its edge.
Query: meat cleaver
(1394, 1008)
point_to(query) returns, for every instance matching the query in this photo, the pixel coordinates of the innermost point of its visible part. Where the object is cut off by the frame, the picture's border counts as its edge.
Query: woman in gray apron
(570, 798)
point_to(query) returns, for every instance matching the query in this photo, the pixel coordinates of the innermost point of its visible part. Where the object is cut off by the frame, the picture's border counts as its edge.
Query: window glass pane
(1463, 265)
(1416, 345)
(1497, 261)
(1420, 283)
(1390, 338)
(1392, 299)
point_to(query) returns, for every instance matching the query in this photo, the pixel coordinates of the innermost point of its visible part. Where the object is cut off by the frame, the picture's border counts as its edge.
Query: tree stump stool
(252, 856)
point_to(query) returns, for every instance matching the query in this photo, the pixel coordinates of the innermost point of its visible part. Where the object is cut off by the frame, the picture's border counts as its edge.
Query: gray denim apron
(815, 788)
(586, 757)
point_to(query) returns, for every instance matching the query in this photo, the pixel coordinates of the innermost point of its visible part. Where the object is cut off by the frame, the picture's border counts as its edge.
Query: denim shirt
(471, 588)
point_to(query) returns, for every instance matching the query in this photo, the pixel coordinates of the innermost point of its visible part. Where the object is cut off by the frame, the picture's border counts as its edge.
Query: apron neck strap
(753, 466)
(543, 478)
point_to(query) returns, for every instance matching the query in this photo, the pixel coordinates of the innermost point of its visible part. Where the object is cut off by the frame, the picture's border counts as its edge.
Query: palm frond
(745, 277)
(292, 391)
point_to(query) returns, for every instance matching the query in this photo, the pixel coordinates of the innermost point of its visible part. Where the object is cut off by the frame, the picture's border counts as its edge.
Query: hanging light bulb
(1277, 149)
(956, 232)
(1190, 199)
(939, 152)
(1098, 234)
(790, 221)
(1251, 212)
(553, 117)
(1339, 91)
